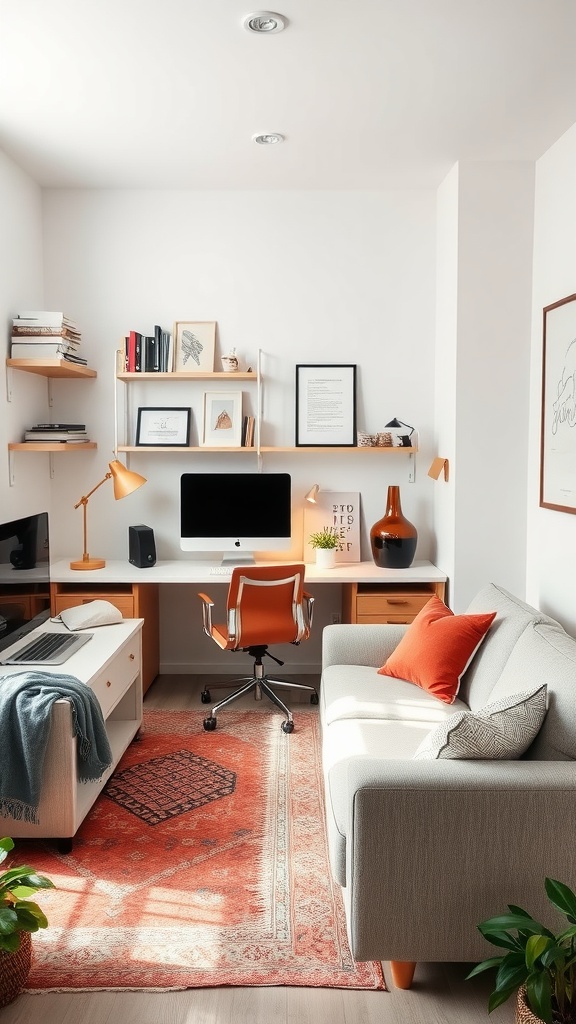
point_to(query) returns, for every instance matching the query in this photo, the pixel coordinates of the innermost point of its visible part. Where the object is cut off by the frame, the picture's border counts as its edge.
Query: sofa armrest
(435, 847)
(359, 644)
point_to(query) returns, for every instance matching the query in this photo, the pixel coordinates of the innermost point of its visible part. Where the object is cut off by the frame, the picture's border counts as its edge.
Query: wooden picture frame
(163, 426)
(194, 344)
(558, 419)
(222, 419)
(326, 405)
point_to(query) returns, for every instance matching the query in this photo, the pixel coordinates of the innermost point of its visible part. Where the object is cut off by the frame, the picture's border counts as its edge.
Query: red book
(131, 367)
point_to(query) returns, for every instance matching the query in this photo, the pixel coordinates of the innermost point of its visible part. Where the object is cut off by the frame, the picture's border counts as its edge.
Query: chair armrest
(207, 606)
(359, 644)
(434, 847)
(309, 607)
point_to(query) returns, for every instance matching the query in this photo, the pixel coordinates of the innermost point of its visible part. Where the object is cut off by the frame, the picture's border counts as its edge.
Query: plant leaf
(535, 946)
(503, 939)
(505, 921)
(561, 897)
(500, 996)
(512, 972)
(494, 961)
(539, 995)
(8, 920)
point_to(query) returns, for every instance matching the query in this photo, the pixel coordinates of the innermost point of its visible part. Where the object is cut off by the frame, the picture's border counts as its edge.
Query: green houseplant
(19, 916)
(538, 962)
(326, 539)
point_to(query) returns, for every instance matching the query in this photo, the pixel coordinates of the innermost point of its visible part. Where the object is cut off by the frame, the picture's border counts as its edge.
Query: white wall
(551, 561)
(21, 285)
(306, 277)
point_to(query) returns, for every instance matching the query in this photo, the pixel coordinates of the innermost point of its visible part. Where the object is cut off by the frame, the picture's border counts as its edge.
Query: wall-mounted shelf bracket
(411, 468)
(11, 468)
(9, 373)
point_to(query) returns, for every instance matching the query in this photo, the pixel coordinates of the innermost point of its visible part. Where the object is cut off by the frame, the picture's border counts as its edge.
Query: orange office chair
(265, 605)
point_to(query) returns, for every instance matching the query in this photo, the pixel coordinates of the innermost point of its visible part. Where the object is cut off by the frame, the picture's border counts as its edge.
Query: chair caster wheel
(205, 697)
(314, 698)
(209, 724)
(287, 726)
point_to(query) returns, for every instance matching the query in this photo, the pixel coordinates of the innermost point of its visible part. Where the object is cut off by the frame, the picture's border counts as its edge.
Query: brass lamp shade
(312, 494)
(125, 481)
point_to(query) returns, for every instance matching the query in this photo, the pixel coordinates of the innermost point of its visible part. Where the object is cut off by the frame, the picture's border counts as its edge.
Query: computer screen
(235, 514)
(24, 576)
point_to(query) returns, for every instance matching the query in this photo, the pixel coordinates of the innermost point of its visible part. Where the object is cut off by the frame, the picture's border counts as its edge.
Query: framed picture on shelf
(223, 419)
(326, 405)
(163, 426)
(558, 421)
(194, 343)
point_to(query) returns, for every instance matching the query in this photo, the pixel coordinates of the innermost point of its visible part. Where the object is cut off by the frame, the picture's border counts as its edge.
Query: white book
(46, 317)
(40, 351)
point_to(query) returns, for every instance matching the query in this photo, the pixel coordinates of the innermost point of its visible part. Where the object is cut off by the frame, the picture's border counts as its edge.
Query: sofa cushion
(513, 616)
(358, 691)
(436, 649)
(503, 730)
(545, 653)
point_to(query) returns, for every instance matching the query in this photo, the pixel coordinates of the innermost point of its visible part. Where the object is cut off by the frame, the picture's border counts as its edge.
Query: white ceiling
(368, 93)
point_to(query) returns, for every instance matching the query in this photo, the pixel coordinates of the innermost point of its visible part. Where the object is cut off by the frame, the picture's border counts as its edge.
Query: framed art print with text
(163, 427)
(194, 343)
(326, 405)
(558, 422)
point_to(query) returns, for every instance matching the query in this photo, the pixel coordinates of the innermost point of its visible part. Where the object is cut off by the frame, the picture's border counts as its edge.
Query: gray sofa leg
(402, 972)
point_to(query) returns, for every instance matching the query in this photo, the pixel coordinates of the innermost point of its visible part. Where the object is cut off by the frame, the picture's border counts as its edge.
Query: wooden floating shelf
(177, 448)
(263, 450)
(51, 446)
(51, 367)
(189, 375)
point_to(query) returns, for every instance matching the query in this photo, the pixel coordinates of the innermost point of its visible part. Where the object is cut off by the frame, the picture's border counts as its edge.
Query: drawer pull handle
(396, 600)
(131, 656)
(108, 683)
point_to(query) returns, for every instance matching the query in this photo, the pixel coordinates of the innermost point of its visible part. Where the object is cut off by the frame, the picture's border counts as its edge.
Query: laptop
(25, 596)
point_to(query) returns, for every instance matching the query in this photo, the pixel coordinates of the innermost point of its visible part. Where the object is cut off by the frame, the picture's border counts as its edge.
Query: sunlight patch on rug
(203, 863)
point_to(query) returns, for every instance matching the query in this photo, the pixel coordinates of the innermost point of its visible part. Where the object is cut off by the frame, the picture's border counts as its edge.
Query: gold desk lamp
(125, 481)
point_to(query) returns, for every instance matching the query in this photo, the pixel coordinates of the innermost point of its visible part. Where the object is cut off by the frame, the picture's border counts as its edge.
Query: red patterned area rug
(203, 863)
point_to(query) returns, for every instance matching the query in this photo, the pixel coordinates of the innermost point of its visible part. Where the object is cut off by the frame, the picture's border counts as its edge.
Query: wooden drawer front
(113, 682)
(381, 620)
(385, 605)
(123, 602)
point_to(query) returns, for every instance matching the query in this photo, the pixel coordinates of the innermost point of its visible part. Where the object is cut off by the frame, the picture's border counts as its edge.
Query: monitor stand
(233, 558)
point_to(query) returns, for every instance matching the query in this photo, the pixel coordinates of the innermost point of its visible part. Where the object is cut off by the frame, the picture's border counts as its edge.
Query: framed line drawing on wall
(164, 426)
(223, 419)
(326, 405)
(194, 343)
(558, 422)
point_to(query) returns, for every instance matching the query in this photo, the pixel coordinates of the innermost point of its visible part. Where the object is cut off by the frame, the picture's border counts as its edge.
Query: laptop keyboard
(44, 647)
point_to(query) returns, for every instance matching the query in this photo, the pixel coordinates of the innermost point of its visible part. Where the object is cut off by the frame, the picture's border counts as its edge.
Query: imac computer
(235, 514)
(24, 577)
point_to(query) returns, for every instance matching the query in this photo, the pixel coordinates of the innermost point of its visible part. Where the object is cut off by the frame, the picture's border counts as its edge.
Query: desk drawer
(123, 602)
(387, 607)
(110, 685)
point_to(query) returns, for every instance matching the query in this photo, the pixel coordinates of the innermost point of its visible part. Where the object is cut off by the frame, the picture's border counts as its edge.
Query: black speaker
(141, 546)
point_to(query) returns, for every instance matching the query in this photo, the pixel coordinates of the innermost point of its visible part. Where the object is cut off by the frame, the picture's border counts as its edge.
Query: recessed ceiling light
(268, 138)
(264, 22)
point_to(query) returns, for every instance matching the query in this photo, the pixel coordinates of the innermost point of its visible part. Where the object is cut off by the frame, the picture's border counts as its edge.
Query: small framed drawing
(326, 405)
(194, 343)
(163, 427)
(223, 419)
(558, 422)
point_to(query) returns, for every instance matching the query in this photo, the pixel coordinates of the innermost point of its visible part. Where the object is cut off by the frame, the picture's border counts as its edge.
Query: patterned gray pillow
(500, 731)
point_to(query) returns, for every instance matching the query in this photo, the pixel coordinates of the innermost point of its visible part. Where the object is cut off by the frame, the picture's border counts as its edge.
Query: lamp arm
(84, 500)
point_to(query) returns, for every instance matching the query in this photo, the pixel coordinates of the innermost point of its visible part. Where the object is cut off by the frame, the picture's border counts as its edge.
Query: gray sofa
(425, 849)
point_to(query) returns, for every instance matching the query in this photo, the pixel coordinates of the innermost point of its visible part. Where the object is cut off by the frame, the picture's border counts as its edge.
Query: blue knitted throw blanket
(26, 700)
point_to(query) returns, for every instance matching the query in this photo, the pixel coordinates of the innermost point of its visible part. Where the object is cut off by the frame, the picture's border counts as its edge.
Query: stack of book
(149, 353)
(45, 334)
(63, 433)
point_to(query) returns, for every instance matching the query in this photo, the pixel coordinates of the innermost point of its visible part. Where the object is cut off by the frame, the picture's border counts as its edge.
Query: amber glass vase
(393, 538)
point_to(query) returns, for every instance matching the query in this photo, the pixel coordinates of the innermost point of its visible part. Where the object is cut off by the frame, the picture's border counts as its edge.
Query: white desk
(369, 594)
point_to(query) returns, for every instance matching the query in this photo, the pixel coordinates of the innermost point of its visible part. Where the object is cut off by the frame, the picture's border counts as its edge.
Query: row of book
(61, 433)
(149, 353)
(247, 436)
(45, 334)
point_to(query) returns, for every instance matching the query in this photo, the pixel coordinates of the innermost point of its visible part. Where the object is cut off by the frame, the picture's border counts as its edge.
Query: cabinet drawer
(383, 619)
(123, 602)
(385, 605)
(112, 683)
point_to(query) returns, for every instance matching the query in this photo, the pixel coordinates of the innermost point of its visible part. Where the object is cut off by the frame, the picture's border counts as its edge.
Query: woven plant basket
(14, 968)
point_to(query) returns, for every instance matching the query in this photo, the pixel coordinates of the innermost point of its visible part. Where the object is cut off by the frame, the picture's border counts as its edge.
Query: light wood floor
(440, 994)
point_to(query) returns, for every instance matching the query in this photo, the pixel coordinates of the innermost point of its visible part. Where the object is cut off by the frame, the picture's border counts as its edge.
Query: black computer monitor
(24, 576)
(235, 514)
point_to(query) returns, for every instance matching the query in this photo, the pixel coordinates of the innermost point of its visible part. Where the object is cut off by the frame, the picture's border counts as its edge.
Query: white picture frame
(222, 419)
(339, 510)
(558, 419)
(194, 343)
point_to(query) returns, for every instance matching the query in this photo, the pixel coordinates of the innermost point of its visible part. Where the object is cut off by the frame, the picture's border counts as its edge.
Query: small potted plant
(325, 542)
(19, 916)
(539, 966)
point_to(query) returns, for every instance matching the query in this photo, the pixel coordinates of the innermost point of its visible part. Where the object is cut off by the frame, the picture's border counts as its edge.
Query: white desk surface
(185, 571)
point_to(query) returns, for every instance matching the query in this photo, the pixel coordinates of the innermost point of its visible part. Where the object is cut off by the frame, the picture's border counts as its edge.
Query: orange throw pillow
(436, 649)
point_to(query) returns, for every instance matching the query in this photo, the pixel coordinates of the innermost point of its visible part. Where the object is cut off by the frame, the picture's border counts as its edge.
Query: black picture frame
(163, 427)
(325, 405)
